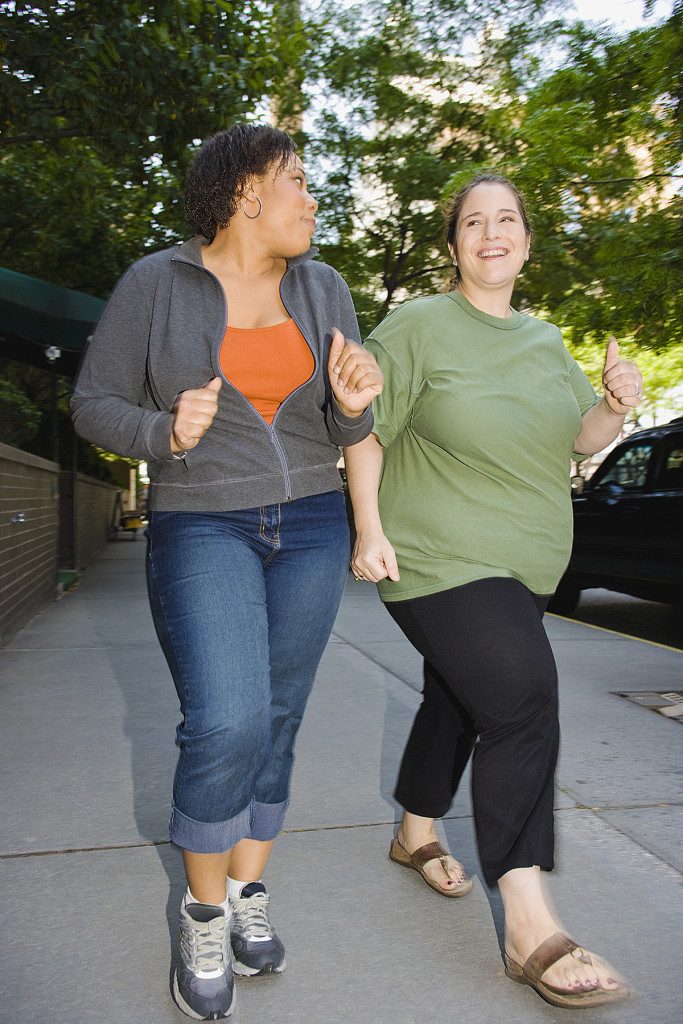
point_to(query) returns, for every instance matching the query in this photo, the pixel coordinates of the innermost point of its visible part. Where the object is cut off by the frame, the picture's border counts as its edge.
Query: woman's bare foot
(529, 922)
(579, 971)
(416, 832)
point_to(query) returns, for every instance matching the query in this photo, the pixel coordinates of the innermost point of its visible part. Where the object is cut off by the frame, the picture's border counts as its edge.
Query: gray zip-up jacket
(160, 334)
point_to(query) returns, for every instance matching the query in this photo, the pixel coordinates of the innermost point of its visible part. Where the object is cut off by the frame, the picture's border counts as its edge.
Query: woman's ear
(451, 249)
(249, 192)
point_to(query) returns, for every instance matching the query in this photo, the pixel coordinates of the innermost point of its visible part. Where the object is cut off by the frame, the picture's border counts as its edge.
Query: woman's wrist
(611, 411)
(351, 414)
(367, 525)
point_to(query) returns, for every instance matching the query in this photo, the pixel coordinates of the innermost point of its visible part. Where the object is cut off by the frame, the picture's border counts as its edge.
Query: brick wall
(81, 536)
(28, 551)
(51, 535)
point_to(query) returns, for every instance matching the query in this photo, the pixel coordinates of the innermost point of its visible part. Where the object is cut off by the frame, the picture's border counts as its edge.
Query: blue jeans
(243, 604)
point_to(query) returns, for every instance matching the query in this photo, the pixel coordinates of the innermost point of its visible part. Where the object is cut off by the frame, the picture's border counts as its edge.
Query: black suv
(628, 522)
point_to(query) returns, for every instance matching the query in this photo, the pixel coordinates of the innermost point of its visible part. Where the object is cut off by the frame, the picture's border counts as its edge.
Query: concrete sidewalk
(91, 885)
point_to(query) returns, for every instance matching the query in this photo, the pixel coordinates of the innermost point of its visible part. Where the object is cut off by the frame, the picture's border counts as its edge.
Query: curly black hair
(217, 175)
(454, 206)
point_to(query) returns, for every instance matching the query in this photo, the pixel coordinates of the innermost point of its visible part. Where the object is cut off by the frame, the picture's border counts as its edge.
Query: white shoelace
(250, 914)
(208, 952)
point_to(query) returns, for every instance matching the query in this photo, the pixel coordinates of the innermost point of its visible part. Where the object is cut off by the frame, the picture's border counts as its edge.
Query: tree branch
(62, 133)
(617, 181)
(421, 273)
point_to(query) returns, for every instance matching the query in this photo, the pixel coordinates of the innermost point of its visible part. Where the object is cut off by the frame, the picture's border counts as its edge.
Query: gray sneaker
(256, 949)
(203, 985)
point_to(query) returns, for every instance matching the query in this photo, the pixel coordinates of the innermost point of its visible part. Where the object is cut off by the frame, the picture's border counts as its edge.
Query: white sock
(225, 906)
(235, 887)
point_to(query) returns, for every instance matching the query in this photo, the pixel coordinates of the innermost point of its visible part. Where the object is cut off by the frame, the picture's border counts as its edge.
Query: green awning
(35, 315)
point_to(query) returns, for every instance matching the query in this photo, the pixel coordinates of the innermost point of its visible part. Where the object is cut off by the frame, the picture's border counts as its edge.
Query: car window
(630, 469)
(671, 473)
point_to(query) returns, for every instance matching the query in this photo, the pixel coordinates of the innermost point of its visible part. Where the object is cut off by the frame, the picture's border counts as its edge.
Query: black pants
(490, 685)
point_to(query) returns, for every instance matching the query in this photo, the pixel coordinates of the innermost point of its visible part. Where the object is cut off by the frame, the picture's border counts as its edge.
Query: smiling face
(491, 241)
(287, 220)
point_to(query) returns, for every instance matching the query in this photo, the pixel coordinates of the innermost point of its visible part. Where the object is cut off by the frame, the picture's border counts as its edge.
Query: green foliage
(403, 95)
(290, 44)
(73, 220)
(26, 402)
(102, 105)
(136, 79)
(661, 371)
(414, 97)
(20, 417)
(595, 146)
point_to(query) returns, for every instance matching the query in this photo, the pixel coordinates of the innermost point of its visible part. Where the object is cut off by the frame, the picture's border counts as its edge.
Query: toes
(572, 976)
(588, 984)
(448, 875)
(439, 876)
(604, 974)
(571, 981)
(455, 871)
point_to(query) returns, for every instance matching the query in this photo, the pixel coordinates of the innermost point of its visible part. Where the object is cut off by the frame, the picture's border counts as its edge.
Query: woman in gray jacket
(232, 365)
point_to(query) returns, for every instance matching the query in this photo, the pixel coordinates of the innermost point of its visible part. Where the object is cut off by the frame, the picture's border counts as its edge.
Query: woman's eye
(471, 223)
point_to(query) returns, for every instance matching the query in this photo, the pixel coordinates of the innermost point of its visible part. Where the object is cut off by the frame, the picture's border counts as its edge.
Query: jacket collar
(190, 252)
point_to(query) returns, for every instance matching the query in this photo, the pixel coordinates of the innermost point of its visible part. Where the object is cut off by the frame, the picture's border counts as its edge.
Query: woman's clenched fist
(193, 413)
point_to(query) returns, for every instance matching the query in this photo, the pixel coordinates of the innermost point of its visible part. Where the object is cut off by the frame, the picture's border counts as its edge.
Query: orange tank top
(266, 363)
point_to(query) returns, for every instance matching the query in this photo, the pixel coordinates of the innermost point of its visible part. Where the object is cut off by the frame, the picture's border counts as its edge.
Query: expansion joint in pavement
(85, 849)
(379, 663)
(597, 810)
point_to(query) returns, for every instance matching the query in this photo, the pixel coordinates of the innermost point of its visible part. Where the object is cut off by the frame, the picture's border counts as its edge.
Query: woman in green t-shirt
(464, 488)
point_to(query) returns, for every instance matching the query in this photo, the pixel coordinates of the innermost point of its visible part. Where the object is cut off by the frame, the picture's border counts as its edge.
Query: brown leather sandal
(547, 954)
(421, 857)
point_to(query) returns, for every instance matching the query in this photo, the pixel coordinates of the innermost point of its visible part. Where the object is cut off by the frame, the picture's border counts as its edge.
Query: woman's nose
(491, 230)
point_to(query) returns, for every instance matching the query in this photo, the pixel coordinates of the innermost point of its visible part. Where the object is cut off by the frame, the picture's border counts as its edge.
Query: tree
(662, 374)
(413, 97)
(400, 94)
(20, 417)
(287, 96)
(596, 148)
(69, 218)
(102, 107)
(137, 80)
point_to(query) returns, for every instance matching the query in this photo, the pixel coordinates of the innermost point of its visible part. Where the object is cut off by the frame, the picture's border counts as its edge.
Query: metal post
(52, 354)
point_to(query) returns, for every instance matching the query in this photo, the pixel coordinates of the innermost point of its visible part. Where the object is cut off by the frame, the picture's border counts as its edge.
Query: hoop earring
(260, 209)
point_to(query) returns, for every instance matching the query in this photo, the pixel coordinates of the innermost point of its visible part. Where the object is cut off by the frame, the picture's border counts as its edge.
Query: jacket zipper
(275, 441)
(278, 447)
(283, 459)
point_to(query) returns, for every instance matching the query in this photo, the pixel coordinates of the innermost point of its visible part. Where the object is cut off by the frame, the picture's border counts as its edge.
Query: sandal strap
(549, 952)
(430, 851)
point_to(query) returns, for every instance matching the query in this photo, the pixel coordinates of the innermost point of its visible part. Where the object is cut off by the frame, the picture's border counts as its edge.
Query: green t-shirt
(478, 420)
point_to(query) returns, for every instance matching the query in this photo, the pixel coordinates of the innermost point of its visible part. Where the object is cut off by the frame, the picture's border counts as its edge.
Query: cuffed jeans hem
(257, 821)
(267, 820)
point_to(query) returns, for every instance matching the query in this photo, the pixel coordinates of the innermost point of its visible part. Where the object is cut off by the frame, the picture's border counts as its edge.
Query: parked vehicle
(628, 522)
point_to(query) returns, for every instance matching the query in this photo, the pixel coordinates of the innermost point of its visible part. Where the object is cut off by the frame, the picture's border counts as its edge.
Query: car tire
(566, 597)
